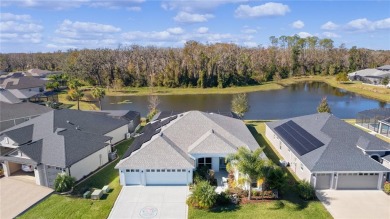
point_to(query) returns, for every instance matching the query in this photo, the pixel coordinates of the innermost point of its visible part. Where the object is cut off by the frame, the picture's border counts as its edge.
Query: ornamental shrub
(203, 195)
(305, 190)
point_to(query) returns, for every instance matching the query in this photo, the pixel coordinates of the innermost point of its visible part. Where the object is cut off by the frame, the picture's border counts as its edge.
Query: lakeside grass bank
(369, 91)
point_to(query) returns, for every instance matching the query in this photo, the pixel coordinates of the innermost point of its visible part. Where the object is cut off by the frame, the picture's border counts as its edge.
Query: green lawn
(290, 206)
(57, 206)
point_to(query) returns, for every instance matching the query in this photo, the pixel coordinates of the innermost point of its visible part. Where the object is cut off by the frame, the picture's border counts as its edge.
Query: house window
(163, 170)
(204, 161)
(173, 170)
(127, 170)
(168, 170)
(137, 170)
(132, 170)
(302, 166)
(152, 170)
(158, 170)
(147, 170)
(178, 170)
(183, 170)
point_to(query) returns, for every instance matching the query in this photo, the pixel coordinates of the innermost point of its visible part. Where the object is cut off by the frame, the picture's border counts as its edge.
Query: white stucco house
(71, 141)
(330, 153)
(170, 149)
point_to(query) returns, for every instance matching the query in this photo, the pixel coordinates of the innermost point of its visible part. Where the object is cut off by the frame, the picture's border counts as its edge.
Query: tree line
(201, 65)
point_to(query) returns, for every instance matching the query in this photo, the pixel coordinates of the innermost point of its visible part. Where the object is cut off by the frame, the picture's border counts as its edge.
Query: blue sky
(41, 25)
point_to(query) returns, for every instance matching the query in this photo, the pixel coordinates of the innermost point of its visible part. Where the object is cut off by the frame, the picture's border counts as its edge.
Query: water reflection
(295, 100)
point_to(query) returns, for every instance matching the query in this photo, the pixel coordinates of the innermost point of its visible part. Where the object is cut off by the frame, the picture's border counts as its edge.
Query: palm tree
(74, 84)
(248, 163)
(76, 94)
(98, 93)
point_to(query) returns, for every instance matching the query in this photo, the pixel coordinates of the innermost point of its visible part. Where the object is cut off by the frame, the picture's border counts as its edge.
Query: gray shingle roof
(22, 83)
(340, 152)
(21, 110)
(52, 140)
(190, 133)
(8, 97)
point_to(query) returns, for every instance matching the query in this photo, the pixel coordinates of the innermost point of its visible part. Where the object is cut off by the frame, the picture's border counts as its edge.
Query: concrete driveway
(18, 194)
(162, 202)
(356, 203)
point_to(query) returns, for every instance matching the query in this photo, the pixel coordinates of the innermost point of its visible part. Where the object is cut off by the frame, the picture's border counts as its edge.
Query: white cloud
(265, 10)
(14, 17)
(250, 44)
(62, 5)
(329, 26)
(304, 34)
(135, 8)
(202, 30)
(19, 29)
(77, 34)
(363, 24)
(185, 17)
(175, 30)
(298, 24)
(249, 31)
(79, 29)
(330, 35)
(196, 5)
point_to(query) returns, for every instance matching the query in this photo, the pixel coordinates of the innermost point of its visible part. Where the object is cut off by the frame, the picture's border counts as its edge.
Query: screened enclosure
(377, 120)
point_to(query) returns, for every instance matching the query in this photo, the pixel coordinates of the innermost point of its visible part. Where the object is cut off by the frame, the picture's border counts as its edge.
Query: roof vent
(211, 130)
(77, 127)
(161, 134)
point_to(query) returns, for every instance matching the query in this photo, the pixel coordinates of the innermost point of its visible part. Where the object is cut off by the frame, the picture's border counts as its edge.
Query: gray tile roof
(387, 157)
(191, 133)
(21, 110)
(340, 152)
(63, 137)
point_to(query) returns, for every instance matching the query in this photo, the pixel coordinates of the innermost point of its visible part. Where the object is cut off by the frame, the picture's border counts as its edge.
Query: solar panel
(299, 139)
(148, 131)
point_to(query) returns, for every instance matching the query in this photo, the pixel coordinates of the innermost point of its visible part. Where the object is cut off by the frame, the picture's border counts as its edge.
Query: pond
(295, 100)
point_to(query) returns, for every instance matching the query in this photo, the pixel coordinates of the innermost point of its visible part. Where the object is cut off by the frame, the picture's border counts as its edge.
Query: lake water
(295, 100)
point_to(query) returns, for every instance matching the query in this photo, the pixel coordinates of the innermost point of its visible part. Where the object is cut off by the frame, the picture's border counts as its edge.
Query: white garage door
(358, 181)
(133, 177)
(323, 181)
(166, 177)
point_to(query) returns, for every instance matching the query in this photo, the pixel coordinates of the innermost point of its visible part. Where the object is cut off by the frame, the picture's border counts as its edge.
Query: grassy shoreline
(369, 91)
(378, 93)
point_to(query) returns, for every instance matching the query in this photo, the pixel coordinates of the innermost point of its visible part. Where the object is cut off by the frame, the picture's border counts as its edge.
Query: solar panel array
(148, 131)
(298, 138)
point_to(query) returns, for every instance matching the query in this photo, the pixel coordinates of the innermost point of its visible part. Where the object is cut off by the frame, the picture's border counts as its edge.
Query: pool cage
(377, 120)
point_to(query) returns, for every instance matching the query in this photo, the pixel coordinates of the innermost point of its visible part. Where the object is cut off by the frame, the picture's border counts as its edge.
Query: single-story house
(370, 75)
(71, 141)
(330, 153)
(133, 117)
(23, 87)
(12, 114)
(7, 97)
(170, 149)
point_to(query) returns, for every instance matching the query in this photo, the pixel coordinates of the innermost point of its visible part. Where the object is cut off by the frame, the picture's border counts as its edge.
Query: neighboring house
(23, 87)
(35, 72)
(170, 149)
(377, 120)
(330, 153)
(133, 117)
(16, 113)
(371, 75)
(70, 141)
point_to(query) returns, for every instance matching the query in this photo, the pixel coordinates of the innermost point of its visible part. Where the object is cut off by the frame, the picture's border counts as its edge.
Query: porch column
(215, 164)
(6, 169)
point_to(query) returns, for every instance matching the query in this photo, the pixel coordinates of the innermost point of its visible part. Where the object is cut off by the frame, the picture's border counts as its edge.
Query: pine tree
(324, 106)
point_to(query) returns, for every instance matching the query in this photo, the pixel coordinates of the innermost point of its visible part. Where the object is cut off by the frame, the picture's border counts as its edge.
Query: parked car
(27, 168)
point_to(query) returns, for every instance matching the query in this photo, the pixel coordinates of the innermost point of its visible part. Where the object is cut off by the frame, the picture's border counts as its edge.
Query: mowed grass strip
(57, 206)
